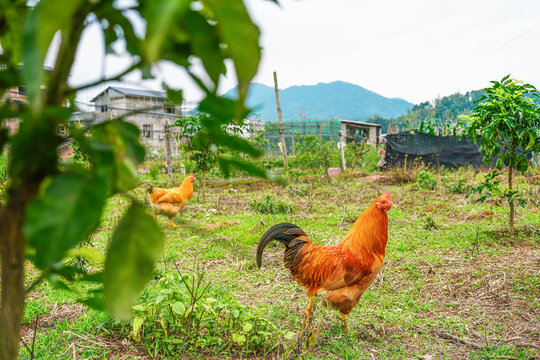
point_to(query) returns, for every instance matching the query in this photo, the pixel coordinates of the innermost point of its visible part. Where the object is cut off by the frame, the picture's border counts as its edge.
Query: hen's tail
(289, 235)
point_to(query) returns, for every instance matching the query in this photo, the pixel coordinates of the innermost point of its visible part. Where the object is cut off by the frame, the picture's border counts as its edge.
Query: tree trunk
(169, 155)
(512, 210)
(204, 186)
(12, 255)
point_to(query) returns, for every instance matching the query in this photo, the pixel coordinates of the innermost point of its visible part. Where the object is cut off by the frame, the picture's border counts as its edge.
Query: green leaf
(205, 44)
(241, 36)
(67, 212)
(247, 327)
(135, 246)
(159, 16)
(136, 326)
(239, 339)
(120, 165)
(174, 96)
(40, 25)
(178, 308)
(289, 335)
(532, 141)
(499, 164)
(312, 340)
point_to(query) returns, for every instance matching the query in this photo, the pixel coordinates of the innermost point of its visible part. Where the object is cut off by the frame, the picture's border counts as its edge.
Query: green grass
(466, 276)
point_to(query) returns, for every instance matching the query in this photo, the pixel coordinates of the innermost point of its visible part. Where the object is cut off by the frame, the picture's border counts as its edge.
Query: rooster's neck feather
(369, 234)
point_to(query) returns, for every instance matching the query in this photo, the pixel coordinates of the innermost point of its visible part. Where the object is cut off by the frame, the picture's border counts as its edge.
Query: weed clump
(270, 206)
(426, 180)
(456, 187)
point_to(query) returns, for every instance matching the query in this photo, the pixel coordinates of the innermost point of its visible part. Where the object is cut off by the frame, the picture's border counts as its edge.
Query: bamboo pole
(280, 119)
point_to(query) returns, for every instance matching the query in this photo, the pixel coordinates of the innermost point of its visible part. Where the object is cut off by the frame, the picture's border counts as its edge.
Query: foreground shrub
(183, 315)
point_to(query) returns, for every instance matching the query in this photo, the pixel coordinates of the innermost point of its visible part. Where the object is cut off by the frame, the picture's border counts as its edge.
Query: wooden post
(293, 143)
(342, 142)
(168, 152)
(358, 154)
(280, 119)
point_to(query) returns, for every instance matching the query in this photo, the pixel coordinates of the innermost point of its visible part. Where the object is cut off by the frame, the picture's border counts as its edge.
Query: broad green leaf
(239, 339)
(41, 23)
(247, 327)
(532, 141)
(178, 308)
(312, 340)
(499, 164)
(43, 140)
(67, 212)
(205, 44)
(242, 38)
(123, 138)
(135, 246)
(137, 324)
(160, 16)
(174, 96)
(289, 335)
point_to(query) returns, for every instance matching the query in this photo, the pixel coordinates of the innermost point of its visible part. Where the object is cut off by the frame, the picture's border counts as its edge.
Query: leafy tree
(199, 149)
(506, 124)
(316, 154)
(50, 209)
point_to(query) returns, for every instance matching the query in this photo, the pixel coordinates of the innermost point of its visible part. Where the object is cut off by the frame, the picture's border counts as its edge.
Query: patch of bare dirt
(375, 178)
(480, 215)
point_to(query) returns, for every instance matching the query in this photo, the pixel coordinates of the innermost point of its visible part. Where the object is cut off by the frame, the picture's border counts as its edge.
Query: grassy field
(455, 284)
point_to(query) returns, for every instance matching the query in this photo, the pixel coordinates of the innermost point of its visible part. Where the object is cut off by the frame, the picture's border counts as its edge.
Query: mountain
(324, 100)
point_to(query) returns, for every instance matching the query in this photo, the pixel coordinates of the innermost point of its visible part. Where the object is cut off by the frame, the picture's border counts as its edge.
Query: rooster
(344, 271)
(169, 202)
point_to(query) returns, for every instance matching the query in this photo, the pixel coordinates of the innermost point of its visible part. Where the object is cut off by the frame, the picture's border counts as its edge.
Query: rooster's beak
(393, 205)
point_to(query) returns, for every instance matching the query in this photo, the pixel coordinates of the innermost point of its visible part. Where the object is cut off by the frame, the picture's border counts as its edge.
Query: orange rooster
(169, 202)
(344, 271)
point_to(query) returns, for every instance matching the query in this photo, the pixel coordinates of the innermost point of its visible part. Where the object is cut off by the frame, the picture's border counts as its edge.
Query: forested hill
(439, 111)
(325, 100)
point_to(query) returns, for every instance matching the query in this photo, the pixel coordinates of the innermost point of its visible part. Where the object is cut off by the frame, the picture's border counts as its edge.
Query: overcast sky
(416, 49)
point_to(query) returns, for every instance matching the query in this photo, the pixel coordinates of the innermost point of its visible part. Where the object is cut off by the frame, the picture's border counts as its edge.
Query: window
(147, 131)
(169, 110)
(23, 90)
(61, 130)
(104, 108)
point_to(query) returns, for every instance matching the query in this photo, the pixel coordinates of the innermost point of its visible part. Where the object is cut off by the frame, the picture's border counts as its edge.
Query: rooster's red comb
(387, 195)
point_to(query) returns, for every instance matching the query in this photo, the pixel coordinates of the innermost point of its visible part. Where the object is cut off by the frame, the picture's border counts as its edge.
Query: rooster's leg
(172, 224)
(345, 326)
(155, 216)
(309, 307)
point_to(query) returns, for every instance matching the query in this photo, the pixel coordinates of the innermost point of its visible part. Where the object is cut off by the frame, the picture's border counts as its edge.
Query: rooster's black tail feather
(285, 233)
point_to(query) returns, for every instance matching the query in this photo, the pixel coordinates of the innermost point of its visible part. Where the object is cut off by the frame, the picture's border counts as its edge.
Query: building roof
(134, 92)
(359, 123)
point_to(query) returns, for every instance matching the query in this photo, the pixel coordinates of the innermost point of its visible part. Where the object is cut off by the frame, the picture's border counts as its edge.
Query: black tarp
(450, 151)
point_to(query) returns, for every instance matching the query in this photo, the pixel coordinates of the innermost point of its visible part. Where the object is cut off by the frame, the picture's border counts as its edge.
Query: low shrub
(426, 180)
(183, 315)
(458, 186)
(270, 206)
